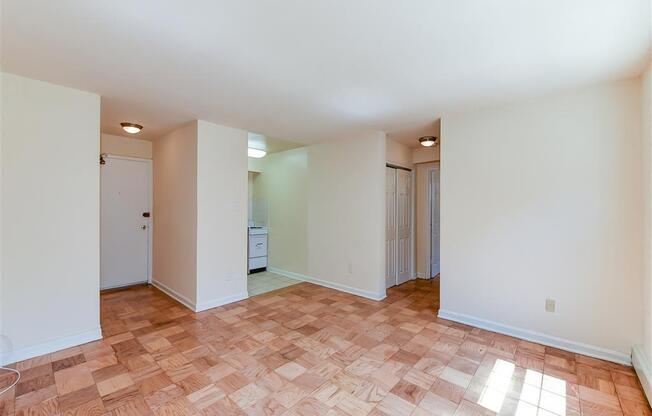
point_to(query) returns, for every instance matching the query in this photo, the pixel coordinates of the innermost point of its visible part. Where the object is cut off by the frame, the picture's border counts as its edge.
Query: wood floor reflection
(309, 350)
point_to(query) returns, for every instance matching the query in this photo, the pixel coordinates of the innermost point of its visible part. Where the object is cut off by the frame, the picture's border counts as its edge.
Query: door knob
(144, 227)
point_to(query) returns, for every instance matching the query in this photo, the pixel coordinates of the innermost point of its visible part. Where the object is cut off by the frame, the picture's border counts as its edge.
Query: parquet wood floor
(308, 350)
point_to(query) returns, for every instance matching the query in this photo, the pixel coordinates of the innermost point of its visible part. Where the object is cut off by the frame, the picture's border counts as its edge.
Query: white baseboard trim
(144, 282)
(337, 286)
(214, 303)
(551, 341)
(643, 370)
(174, 294)
(50, 346)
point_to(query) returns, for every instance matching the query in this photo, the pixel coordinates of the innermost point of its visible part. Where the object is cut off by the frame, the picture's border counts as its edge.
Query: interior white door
(403, 225)
(390, 227)
(124, 231)
(434, 222)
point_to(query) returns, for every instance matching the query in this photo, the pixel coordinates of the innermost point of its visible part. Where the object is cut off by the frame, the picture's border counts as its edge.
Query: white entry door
(403, 225)
(125, 189)
(434, 222)
(390, 227)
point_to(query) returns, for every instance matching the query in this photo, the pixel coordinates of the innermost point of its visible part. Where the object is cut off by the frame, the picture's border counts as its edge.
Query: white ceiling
(312, 70)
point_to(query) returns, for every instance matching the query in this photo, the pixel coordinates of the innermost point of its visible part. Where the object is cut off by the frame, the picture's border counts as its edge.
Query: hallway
(307, 350)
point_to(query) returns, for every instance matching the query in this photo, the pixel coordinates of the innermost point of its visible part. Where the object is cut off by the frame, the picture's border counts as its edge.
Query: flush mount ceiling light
(428, 141)
(131, 128)
(257, 153)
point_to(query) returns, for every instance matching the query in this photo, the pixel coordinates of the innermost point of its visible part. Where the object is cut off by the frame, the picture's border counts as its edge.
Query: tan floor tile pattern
(263, 282)
(309, 350)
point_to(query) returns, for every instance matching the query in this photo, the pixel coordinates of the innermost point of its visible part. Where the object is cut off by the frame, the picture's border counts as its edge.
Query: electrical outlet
(550, 305)
(350, 267)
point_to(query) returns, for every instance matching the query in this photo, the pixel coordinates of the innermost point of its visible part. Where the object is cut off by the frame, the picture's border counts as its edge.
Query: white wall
(346, 212)
(283, 188)
(425, 154)
(542, 199)
(250, 194)
(174, 265)
(221, 215)
(642, 354)
(50, 216)
(4, 343)
(125, 146)
(398, 154)
(200, 214)
(255, 164)
(328, 224)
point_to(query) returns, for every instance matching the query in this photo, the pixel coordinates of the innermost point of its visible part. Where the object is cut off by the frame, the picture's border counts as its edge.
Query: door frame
(430, 207)
(150, 202)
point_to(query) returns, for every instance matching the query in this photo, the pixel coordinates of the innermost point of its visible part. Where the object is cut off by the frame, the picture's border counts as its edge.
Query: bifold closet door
(390, 227)
(403, 225)
(398, 226)
(434, 223)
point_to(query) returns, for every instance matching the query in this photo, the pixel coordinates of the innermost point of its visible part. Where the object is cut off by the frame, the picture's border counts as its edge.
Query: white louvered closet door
(390, 227)
(403, 225)
(398, 226)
